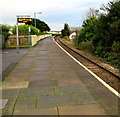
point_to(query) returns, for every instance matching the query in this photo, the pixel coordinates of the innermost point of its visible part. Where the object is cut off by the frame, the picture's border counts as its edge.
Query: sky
(54, 12)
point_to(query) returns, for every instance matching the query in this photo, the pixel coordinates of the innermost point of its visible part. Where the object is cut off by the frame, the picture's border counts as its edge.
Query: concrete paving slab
(25, 64)
(38, 78)
(10, 105)
(25, 103)
(70, 82)
(58, 68)
(39, 73)
(42, 66)
(10, 93)
(84, 98)
(36, 91)
(93, 109)
(64, 72)
(70, 89)
(6, 113)
(106, 102)
(55, 101)
(57, 60)
(48, 111)
(19, 74)
(43, 83)
(103, 96)
(44, 57)
(39, 69)
(16, 79)
(64, 76)
(15, 85)
(42, 63)
(3, 102)
(67, 75)
(21, 70)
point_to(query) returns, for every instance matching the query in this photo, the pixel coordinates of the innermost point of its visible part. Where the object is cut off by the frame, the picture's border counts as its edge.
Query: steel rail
(118, 77)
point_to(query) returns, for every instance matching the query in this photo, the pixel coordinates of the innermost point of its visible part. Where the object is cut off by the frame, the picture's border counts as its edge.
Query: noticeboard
(24, 20)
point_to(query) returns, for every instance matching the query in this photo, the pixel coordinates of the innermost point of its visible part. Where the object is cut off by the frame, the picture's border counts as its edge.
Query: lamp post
(35, 17)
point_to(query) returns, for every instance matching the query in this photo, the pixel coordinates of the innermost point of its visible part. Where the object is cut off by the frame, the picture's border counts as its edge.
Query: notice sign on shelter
(24, 20)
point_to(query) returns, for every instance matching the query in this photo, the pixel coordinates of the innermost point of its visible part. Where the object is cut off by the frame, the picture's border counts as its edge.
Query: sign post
(17, 37)
(21, 19)
(29, 41)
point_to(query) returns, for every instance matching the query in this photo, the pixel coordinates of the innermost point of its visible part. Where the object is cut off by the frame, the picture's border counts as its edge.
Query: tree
(41, 25)
(107, 29)
(104, 33)
(5, 31)
(74, 29)
(87, 31)
(23, 29)
(66, 30)
(92, 13)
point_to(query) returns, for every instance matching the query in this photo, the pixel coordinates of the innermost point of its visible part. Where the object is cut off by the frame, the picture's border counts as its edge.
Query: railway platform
(47, 81)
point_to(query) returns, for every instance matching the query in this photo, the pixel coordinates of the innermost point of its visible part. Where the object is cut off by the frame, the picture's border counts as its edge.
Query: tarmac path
(47, 81)
(10, 58)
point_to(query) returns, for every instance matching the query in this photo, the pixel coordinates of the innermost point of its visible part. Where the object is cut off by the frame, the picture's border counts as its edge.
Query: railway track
(110, 78)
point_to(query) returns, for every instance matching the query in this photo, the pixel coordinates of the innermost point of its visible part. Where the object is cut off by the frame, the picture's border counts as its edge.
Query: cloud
(54, 12)
(56, 26)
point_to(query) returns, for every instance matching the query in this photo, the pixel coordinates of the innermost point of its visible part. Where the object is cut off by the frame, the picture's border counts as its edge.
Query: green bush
(86, 45)
(116, 47)
(104, 34)
(23, 30)
(5, 31)
(112, 58)
(65, 31)
(41, 33)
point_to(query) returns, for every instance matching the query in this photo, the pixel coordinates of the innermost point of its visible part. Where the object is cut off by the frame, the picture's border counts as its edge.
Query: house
(72, 36)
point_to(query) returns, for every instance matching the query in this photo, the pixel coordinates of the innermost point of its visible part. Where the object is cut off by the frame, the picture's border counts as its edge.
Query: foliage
(67, 41)
(92, 13)
(87, 32)
(104, 33)
(56, 34)
(86, 45)
(41, 25)
(5, 31)
(74, 29)
(67, 38)
(23, 30)
(66, 30)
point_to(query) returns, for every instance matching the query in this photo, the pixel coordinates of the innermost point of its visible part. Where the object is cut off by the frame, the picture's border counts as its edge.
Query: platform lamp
(35, 17)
